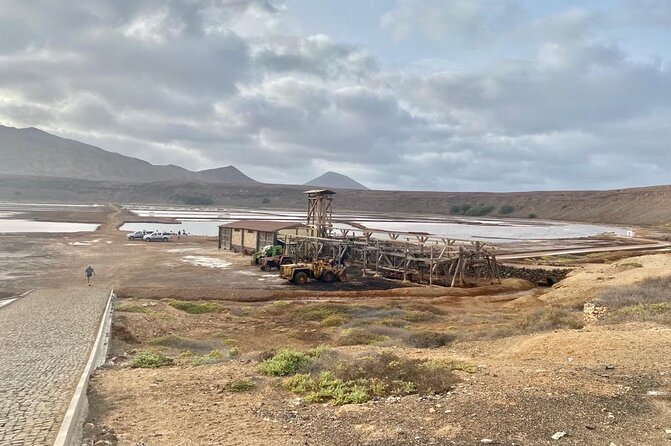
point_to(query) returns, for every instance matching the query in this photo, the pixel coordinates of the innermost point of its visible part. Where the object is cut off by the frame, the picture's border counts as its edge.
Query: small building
(249, 236)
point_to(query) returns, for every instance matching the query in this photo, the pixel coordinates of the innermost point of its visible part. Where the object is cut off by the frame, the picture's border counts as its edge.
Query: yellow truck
(322, 270)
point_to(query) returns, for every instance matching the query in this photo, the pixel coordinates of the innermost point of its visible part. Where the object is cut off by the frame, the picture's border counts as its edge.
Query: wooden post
(431, 268)
(377, 258)
(365, 261)
(456, 272)
(405, 262)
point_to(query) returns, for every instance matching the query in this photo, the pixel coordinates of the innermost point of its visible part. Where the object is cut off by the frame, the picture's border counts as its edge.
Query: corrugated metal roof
(319, 192)
(262, 225)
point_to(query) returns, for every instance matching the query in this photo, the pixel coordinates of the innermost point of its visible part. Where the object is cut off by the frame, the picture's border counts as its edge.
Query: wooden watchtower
(320, 215)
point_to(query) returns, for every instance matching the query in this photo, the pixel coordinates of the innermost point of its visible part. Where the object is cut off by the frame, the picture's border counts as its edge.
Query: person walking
(89, 272)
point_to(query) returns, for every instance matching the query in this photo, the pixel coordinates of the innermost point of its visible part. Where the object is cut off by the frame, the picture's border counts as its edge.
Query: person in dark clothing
(89, 272)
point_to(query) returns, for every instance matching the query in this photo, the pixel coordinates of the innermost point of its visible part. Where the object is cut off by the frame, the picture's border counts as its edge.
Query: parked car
(138, 235)
(157, 237)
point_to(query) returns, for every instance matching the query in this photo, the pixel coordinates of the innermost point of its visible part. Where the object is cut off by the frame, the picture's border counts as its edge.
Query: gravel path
(45, 341)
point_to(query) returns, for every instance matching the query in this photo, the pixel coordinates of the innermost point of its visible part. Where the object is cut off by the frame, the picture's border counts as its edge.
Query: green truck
(267, 251)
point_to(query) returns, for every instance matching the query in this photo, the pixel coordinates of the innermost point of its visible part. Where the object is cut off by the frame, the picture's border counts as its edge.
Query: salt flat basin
(10, 226)
(203, 221)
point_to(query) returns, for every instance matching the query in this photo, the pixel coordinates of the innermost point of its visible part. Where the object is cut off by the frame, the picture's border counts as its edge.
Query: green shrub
(213, 357)
(285, 362)
(479, 211)
(195, 307)
(532, 215)
(326, 387)
(356, 380)
(149, 360)
(506, 209)
(240, 385)
(234, 352)
(455, 209)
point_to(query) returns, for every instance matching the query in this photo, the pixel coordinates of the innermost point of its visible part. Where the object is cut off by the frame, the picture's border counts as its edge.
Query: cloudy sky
(478, 95)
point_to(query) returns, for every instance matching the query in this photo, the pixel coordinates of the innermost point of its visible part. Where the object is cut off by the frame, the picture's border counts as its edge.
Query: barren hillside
(641, 206)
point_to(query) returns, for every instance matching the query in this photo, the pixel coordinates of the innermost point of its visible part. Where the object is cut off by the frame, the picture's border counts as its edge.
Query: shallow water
(8, 226)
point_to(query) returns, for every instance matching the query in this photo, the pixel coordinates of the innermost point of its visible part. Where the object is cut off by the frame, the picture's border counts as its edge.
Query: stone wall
(541, 276)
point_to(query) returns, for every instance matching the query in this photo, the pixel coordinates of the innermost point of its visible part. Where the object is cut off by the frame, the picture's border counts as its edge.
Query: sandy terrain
(601, 384)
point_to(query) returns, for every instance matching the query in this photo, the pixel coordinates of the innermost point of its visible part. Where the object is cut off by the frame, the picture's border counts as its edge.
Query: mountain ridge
(34, 152)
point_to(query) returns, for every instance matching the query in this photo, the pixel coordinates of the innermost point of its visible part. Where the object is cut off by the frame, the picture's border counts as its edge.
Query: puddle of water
(14, 226)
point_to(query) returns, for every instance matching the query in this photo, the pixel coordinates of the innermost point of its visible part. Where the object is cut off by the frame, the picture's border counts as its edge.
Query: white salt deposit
(209, 262)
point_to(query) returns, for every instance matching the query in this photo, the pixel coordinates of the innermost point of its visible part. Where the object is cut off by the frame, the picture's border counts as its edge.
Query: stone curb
(13, 299)
(70, 432)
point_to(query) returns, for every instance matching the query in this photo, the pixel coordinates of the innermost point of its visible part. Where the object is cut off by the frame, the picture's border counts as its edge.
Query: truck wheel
(300, 278)
(328, 277)
(165, 239)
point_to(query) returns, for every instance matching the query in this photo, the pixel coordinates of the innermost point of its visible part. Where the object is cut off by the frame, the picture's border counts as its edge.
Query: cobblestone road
(45, 341)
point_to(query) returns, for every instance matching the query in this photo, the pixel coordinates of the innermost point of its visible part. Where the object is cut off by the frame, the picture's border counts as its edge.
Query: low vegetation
(186, 344)
(471, 211)
(195, 307)
(213, 357)
(131, 308)
(506, 209)
(288, 361)
(649, 301)
(150, 360)
(240, 385)
(348, 380)
(358, 336)
(550, 318)
(320, 312)
(428, 339)
(194, 200)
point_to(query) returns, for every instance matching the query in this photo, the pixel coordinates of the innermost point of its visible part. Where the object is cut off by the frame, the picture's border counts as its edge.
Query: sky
(451, 95)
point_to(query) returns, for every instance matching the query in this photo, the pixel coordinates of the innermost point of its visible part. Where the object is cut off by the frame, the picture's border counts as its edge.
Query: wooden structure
(427, 260)
(248, 236)
(320, 215)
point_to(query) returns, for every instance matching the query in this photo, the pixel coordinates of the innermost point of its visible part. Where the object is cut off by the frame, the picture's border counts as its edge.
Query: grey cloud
(461, 20)
(172, 82)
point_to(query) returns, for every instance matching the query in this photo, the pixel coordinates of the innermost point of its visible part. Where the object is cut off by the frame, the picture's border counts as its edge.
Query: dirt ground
(520, 383)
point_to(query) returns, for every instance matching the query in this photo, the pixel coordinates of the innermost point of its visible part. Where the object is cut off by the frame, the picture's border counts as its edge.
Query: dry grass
(428, 339)
(187, 344)
(648, 301)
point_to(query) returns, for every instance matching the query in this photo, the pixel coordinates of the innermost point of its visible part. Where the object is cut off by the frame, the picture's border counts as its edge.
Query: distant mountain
(337, 181)
(224, 175)
(34, 152)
